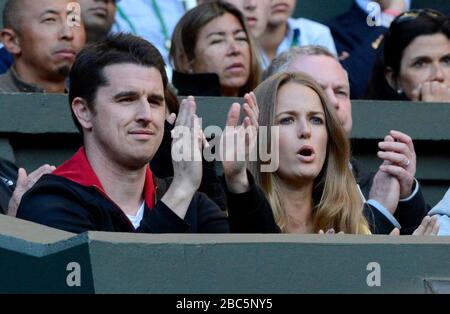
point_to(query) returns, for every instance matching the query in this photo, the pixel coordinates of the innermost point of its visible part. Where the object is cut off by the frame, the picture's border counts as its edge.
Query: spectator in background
(256, 13)
(358, 34)
(213, 53)
(284, 32)
(98, 17)
(14, 183)
(43, 44)
(399, 158)
(153, 20)
(416, 59)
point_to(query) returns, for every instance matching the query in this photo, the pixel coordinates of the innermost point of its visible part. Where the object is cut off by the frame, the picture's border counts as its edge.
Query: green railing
(38, 128)
(37, 259)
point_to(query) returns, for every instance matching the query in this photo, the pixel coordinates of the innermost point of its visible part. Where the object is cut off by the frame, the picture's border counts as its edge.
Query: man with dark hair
(43, 42)
(117, 95)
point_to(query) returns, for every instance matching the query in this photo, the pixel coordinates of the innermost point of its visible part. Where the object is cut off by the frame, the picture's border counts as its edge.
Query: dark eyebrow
(421, 58)
(291, 112)
(125, 94)
(156, 97)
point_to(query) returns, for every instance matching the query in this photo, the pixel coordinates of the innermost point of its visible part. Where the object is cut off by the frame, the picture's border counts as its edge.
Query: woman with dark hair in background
(213, 52)
(416, 60)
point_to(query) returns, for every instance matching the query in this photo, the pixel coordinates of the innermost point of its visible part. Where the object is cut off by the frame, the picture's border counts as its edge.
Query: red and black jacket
(73, 199)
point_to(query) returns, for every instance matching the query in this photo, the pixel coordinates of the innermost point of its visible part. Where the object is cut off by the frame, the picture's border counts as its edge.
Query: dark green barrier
(37, 129)
(35, 259)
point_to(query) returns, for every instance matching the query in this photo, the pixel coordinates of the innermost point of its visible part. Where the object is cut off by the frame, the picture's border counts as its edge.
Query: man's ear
(390, 78)
(11, 41)
(82, 113)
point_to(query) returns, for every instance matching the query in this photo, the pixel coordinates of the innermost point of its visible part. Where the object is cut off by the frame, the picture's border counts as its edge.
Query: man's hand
(24, 183)
(429, 226)
(399, 157)
(187, 159)
(385, 190)
(235, 171)
(187, 147)
(431, 92)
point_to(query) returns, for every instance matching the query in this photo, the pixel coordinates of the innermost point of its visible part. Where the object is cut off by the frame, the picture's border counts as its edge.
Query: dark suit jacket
(8, 178)
(352, 34)
(409, 214)
(6, 60)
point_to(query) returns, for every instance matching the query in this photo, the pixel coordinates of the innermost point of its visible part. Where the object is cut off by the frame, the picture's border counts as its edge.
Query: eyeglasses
(413, 14)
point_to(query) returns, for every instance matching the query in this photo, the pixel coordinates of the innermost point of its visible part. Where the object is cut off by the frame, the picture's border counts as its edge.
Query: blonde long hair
(336, 200)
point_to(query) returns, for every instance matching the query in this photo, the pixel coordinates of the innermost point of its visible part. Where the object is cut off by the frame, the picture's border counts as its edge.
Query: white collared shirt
(136, 220)
(309, 33)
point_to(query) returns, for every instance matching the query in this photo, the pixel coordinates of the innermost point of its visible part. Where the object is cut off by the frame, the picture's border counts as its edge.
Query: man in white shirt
(284, 32)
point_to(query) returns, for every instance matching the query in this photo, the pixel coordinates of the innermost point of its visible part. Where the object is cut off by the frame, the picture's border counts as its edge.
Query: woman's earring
(399, 91)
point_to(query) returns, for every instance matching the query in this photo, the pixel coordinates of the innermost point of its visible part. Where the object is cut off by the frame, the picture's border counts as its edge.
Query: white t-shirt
(136, 220)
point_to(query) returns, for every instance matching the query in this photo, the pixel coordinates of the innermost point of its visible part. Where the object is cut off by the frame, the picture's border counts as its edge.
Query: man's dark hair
(87, 75)
(12, 12)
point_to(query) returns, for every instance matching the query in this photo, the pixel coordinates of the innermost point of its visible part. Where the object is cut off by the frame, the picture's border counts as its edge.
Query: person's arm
(378, 222)
(235, 167)
(24, 183)
(162, 167)
(411, 211)
(187, 169)
(398, 153)
(250, 211)
(54, 205)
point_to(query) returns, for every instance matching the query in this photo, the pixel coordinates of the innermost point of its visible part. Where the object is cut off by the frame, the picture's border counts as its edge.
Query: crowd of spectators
(123, 64)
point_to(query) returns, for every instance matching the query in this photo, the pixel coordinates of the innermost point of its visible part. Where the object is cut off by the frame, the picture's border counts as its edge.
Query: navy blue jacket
(353, 35)
(8, 178)
(6, 60)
